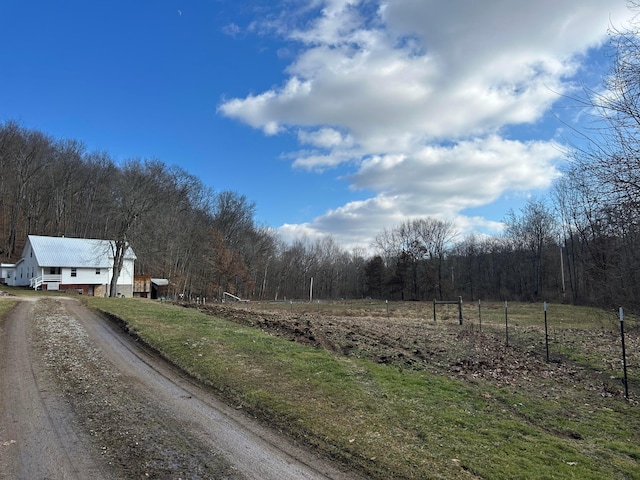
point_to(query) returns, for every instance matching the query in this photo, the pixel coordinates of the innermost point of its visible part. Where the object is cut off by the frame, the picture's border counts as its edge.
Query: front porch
(51, 282)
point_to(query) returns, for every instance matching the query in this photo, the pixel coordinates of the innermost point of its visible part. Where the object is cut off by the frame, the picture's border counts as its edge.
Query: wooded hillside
(580, 245)
(565, 248)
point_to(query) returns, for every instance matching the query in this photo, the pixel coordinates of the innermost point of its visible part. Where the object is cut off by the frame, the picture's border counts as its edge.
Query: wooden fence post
(434, 311)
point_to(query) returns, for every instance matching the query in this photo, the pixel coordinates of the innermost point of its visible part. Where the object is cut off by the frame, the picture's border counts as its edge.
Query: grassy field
(417, 423)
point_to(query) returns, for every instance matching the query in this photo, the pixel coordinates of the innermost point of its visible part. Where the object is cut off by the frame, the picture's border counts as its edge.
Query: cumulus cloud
(415, 95)
(325, 138)
(466, 174)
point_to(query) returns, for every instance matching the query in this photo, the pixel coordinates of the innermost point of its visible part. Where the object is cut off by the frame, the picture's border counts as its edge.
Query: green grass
(6, 305)
(390, 423)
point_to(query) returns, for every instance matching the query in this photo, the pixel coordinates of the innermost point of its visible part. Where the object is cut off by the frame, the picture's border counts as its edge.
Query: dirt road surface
(79, 400)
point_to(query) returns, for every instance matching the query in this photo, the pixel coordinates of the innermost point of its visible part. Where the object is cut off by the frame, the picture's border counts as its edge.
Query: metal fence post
(506, 321)
(624, 356)
(546, 334)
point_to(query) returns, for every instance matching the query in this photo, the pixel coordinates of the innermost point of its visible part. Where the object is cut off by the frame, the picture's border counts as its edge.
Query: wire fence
(605, 343)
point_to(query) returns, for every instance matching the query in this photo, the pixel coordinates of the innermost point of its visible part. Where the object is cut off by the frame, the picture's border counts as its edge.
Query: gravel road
(79, 400)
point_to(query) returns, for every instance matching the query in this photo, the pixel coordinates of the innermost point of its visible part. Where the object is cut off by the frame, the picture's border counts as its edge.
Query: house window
(97, 271)
(74, 272)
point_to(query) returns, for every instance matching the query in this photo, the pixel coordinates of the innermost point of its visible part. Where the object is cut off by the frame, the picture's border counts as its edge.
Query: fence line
(523, 325)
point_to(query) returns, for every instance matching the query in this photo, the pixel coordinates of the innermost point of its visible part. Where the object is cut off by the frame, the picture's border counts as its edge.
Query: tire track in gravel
(128, 410)
(37, 438)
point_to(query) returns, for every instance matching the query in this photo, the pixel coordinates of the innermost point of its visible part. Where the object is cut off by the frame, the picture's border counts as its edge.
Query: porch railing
(37, 282)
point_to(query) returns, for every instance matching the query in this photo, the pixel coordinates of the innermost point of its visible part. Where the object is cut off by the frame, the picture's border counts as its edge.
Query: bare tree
(610, 158)
(375, 277)
(434, 238)
(531, 233)
(135, 195)
(24, 155)
(604, 177)
(418, 248)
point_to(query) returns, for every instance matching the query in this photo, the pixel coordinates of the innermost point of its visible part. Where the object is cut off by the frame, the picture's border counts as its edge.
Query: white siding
(126, 274)
(85, 256)
(125, 280)
(27, 267)
(9, 273)
(85, 276)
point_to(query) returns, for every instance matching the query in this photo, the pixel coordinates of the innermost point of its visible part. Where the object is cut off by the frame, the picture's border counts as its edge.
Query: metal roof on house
(74, 252)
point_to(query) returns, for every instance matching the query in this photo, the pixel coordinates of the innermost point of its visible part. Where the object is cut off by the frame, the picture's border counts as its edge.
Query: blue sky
(338, 117)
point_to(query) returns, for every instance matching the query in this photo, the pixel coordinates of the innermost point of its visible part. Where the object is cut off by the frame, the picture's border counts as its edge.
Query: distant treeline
(579, 245)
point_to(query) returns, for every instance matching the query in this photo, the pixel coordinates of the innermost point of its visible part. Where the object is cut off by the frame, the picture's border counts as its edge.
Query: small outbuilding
(159, 288)
(147, 287)
(7, 273)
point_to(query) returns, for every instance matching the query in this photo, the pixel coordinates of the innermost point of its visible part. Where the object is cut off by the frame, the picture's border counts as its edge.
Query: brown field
(584, 343)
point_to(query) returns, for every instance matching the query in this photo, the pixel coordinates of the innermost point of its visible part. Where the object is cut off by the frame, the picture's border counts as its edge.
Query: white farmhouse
(78, 264)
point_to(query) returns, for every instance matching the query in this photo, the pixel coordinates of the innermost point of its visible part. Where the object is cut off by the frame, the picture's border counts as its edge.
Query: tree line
(579, 244)
(179, 228)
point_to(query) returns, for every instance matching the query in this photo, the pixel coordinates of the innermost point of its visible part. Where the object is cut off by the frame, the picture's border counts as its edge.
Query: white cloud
(318, 162)
(415, 94)
(440, 182)
(325, 138)
(332, 148)
(467, 174)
